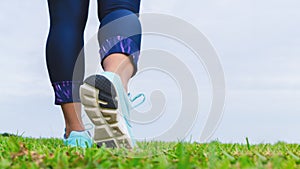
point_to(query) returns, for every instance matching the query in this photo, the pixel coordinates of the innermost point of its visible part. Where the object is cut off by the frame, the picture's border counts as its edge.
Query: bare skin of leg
(117, 63)
(121, 65)
(72, 115)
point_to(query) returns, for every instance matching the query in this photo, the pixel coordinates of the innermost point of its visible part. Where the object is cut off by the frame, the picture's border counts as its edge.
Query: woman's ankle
(72, 115)
(121, 65)
(74, 128)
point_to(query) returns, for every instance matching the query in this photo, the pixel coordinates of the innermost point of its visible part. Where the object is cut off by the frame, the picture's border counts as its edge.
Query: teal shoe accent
(124, 101)
(79, 139)
(132, 100)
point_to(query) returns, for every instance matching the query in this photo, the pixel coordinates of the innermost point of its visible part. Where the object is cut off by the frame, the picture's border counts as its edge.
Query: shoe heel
(100, 102)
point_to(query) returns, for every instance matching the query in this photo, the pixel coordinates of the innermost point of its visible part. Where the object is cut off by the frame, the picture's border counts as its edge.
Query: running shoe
(79, 139)
(108, 107)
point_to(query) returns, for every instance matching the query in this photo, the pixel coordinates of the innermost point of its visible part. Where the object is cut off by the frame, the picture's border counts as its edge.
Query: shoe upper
(79, 139)
(124, 102)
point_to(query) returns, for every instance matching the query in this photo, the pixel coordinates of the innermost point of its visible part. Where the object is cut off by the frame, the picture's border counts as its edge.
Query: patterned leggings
(120, 32)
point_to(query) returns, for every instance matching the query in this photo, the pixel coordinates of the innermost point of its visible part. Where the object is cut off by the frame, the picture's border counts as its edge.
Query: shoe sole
(99, 98)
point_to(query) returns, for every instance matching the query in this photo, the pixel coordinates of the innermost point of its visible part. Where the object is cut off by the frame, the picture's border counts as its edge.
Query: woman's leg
(103, 96)
(121, 65)
(119, 37)
(65, 41)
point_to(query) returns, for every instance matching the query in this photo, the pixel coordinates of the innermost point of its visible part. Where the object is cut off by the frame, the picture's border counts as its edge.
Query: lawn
(19, 152)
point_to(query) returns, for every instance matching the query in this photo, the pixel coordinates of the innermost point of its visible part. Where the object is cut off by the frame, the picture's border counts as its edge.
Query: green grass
(19, 152)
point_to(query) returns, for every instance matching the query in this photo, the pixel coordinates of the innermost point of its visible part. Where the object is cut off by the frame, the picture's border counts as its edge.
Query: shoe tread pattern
(104, 116)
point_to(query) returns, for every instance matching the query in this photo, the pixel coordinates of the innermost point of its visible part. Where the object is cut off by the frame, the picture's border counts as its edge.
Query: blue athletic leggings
(120, 32)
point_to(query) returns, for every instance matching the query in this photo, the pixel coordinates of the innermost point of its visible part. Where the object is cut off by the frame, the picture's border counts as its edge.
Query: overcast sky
(257, 42)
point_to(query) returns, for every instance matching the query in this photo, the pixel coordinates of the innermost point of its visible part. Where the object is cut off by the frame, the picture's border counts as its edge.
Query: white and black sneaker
(108, 107)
